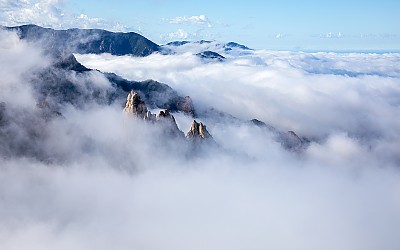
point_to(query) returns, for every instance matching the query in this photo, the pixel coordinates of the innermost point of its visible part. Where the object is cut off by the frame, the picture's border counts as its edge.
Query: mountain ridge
(87, 41)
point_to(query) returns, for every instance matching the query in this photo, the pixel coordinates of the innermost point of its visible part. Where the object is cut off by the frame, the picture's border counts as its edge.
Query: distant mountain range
(208, 51)
(88, 41)
(227, 46)
(96, 41)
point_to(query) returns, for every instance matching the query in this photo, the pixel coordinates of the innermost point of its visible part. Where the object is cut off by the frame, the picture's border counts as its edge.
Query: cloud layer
(110, 181)
(313, 93)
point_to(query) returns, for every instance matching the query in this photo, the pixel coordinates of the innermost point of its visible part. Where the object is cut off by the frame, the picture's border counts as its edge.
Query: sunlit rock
(134, 105)
(198, 131)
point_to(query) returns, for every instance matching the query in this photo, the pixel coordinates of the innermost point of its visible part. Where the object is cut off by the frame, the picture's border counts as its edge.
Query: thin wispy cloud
(334, 35)
(179, 34)
(201, 19)
(191, 20)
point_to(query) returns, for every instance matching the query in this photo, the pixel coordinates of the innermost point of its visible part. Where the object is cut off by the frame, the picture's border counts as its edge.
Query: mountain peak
(134, 105)
(198, 131)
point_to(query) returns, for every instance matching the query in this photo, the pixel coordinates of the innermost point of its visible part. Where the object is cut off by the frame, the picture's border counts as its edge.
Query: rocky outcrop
(198, 131)
(137, 107)
(134, 105)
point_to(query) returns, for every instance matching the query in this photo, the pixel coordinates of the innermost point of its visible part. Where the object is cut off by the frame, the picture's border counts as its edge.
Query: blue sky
(282, 25)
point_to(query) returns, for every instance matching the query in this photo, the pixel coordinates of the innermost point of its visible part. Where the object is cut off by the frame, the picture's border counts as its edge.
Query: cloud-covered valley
(89, 177)
(314, 94)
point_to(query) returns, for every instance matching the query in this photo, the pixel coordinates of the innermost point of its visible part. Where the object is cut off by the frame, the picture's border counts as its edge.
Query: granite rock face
(134, 105)
(198, 131)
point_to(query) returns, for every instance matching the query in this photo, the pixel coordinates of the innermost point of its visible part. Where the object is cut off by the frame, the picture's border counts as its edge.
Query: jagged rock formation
(88, 41)
(198, 131)
(134, 105)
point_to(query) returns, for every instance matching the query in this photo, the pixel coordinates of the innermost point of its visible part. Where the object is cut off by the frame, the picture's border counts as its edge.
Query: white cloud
(179, 34)
(16, 59)
(49, 13)
(201, 19)
(191, 20)
(333, 35)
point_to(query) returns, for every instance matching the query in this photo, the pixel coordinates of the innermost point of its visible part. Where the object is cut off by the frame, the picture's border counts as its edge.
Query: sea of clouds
(111, 182)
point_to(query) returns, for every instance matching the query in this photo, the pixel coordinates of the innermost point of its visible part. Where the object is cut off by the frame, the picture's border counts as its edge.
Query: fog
(100, 179)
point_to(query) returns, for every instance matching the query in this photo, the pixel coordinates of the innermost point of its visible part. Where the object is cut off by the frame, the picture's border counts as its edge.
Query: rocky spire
(198, 131)
(134, 105)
